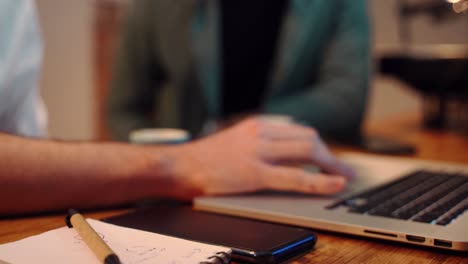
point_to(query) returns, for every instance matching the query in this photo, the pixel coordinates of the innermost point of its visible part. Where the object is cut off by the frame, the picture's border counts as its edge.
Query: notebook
(64, 245)
(405, 200)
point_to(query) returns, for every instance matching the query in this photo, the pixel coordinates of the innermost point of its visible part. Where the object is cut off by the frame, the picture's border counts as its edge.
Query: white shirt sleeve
(21, 108)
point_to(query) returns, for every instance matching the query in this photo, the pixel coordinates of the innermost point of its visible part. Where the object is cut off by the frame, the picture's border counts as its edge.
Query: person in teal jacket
(187, 63)
(38, 175)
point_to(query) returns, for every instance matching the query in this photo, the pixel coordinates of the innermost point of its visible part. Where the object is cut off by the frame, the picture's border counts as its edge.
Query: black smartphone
(384, 145)
(251, 241)
(380, 145)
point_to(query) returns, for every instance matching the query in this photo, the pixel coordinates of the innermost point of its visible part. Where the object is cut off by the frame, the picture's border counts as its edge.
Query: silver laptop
(406, 200)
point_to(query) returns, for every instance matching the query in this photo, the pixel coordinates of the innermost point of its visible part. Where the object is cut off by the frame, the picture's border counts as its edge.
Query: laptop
(399, 199)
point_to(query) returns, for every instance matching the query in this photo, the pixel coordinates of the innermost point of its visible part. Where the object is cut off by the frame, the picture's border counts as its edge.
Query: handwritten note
(133, 246)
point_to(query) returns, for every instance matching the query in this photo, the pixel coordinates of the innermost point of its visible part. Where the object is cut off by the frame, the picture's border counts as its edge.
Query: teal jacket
(167, 70)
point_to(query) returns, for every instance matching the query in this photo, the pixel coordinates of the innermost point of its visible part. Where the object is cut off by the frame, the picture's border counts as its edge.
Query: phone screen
(252, 241)
(386, 146)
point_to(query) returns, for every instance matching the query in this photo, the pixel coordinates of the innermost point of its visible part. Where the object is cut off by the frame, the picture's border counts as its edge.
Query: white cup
(159, 136)
(277, 118)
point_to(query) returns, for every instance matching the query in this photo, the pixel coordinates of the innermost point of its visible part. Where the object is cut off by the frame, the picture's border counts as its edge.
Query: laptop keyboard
(422, 196)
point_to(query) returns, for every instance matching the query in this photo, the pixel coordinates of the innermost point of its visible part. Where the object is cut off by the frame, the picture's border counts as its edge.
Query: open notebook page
(64, 245)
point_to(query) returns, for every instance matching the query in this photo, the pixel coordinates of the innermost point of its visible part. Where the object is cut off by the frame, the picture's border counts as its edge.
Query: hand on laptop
(250, 156)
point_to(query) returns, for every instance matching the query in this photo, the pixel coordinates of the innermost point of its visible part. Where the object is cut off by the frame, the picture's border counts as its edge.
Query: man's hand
(250, 156)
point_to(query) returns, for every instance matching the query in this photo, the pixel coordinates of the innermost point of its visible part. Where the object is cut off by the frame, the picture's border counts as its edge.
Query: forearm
(46, 175)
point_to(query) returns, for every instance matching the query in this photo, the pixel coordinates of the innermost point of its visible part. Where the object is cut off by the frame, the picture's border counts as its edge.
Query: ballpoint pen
(102, 251)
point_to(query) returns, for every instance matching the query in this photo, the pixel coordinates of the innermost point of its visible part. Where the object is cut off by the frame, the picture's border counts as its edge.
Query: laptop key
(453, 214)
(375, 197)
(421, 196)
(443, 206)
(420, 203)
(386, 208)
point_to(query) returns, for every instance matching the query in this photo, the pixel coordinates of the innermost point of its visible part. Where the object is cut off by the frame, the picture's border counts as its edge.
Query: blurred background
(80, 38)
